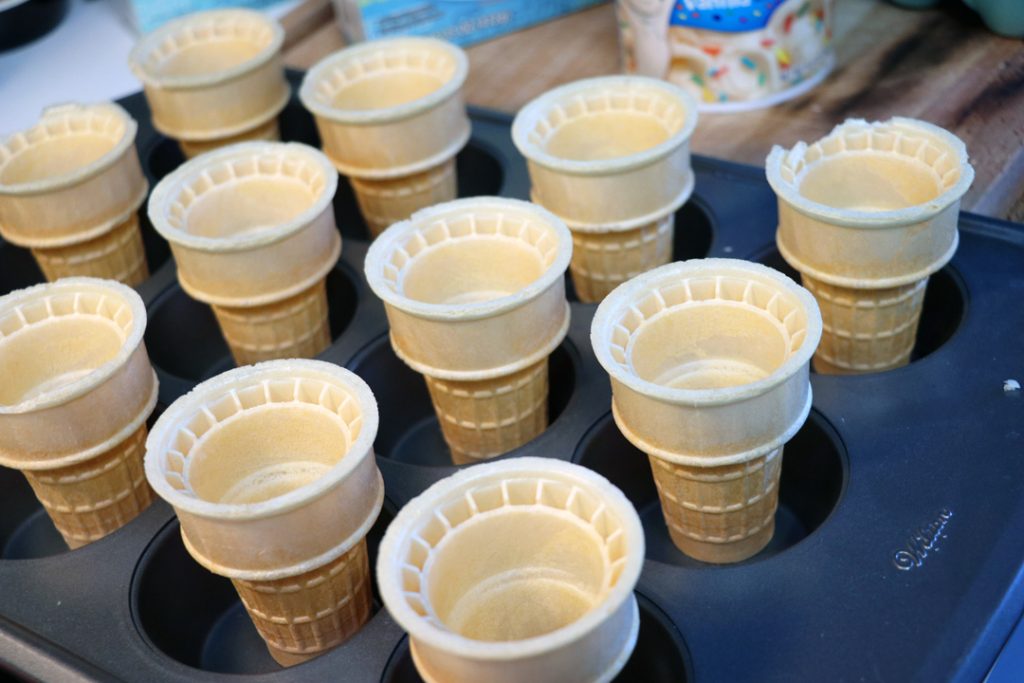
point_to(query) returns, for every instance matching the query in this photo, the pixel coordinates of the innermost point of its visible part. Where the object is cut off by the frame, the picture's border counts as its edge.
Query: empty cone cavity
(389, 108)
(70, 178)
(77, 390)
(517, 570)
(475, 297)
(866, 214)
(709, 363)
(270, 470)
(213, 75)
(252, 231)
(609, 153)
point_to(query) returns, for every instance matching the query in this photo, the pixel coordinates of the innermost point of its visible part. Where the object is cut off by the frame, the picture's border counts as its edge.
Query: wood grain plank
(940, 65)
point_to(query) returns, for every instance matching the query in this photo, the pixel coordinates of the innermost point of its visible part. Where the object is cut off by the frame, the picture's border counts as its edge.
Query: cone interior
(607, 122)
(513, 559)
(61, 143)
(880, 167)
(708, 331)
(471, 256)
(50, 341)
(259, 440)
(388, 76)
(246, 194)
(207, 44)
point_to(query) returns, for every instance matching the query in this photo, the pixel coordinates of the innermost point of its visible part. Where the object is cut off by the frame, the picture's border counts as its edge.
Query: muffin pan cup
(896, 552)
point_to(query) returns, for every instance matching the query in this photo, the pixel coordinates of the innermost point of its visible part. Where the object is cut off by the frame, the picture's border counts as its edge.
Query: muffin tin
(897, 550)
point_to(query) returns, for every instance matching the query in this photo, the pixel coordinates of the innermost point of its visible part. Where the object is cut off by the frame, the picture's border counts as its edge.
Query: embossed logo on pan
(923, 542)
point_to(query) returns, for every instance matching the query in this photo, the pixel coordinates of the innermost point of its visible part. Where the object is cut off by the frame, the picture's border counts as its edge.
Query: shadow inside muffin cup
(814, 472)
(414, 435)
(202, 623)
(178, 322)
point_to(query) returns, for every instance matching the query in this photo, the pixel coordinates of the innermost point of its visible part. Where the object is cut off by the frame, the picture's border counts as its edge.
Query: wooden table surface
(941, 65)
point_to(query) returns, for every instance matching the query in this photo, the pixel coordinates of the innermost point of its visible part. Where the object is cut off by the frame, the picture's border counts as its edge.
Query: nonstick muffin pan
(897, 551)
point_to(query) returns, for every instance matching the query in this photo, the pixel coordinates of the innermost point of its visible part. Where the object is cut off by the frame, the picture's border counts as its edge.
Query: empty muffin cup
(78, 388)
(271, 472)
(252, 230)
(611, 157)
(518, 570)
(475, 296)
(392, 118)
(866, 214)
(70, 187)
(709, 362)
(214, 78)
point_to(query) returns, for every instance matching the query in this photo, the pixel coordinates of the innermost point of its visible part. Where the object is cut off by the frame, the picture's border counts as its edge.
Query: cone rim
(623, 296)
(83, 385)
(527, 117)
(161, 435)
(125, 145)
(401, 529)
(137, 57)
(789, 192)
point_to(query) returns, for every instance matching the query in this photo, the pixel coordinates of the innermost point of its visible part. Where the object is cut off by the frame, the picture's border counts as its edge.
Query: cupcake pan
(896, 553)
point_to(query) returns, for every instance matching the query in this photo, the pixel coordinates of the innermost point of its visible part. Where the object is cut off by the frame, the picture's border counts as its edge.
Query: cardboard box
(461, 21)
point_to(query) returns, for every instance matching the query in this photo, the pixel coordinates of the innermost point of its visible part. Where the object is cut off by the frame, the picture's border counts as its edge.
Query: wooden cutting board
(941, 65)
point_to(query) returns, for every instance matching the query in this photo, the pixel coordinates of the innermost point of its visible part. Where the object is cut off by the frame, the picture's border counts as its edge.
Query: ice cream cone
(252, 231)
(265, 131)
(390, 200)
(70, 187)
(709, 363)
(475, 296)
(213, 78)
(114, 255)
(517, 570)
(866, 215)
(391, 117)
(77, 391)
(604, 259)
(270, 470)
(610, 152)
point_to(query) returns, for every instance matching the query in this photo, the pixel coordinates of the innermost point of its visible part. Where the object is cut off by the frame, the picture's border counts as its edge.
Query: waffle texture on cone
(389, 108)
(709, 359)
(250, 224)
(77, 391)
(871, 205)
(473, 288)
(270, 470)
(386, 202)
(610, 152)
(212, 75)
(519, 570)
(601, 261)
(73, 355)
(71, 177)
(115, 255)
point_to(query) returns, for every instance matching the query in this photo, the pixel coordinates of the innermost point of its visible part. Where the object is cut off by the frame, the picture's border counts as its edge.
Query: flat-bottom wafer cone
(601, 261)
(482, 419)
(386, 201)
(296, 327)
(720, 514)
(300, 617)
(866, 330)
(90, 499)
(264, 131)
(115, 255)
